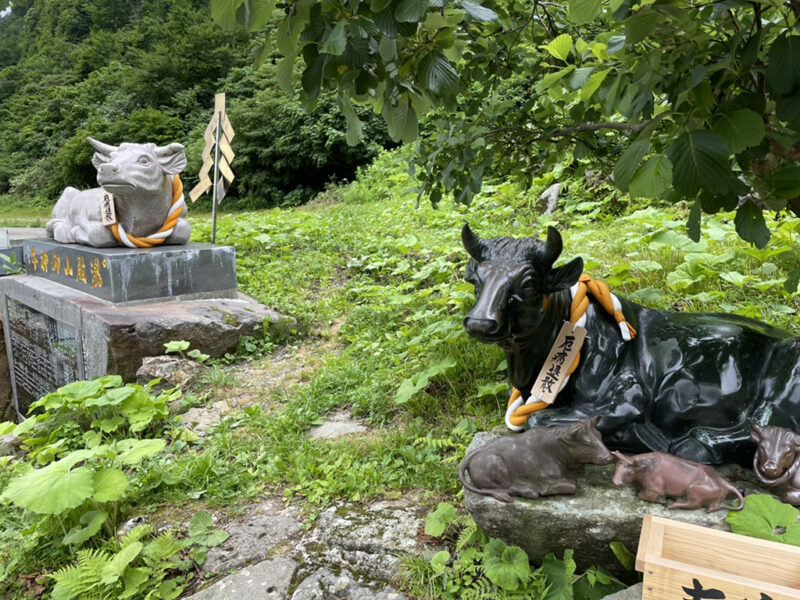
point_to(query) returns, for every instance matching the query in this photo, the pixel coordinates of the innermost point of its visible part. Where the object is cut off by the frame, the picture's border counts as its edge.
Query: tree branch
(632, 127)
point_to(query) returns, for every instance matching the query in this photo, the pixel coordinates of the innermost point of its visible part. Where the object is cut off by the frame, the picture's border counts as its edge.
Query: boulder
(173, 371)
(323, 584)
(267, 580)
(588, 522)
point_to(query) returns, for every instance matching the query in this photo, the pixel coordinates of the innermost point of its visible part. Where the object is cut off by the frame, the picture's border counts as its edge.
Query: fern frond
(162, 548)
(136, 534)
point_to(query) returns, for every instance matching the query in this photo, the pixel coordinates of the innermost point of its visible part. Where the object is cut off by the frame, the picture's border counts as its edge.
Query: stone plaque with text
(44, 353)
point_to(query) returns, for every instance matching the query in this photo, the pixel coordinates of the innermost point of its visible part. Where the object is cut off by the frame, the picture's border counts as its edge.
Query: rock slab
(324, 585)
(587, 522)
(267, 580)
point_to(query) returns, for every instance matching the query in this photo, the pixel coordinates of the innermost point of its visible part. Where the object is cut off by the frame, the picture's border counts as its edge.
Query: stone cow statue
(147, 194)
(686, 384)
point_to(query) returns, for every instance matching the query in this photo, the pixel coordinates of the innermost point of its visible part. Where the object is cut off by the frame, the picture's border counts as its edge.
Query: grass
(376, 286)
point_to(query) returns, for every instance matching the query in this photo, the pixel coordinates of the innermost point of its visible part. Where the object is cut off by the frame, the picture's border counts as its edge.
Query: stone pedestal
(86, 312)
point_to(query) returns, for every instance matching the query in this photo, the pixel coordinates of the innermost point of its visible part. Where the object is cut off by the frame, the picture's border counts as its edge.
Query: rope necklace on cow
(519, 409)
(175, 211)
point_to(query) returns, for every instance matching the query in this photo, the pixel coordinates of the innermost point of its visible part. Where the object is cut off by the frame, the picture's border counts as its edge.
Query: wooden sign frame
(679, 560)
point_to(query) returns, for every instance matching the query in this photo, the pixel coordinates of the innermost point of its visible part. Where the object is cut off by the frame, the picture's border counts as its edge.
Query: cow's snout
(109, 168)
(481, 327)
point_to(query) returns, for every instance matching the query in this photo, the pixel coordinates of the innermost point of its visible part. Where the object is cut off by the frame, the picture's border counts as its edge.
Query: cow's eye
(144, 160)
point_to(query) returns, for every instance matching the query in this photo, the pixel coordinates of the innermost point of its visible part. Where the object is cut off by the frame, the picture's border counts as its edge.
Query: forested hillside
(147, 70)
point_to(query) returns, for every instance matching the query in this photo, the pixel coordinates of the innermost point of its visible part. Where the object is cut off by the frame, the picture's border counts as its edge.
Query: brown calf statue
(657, 476)
(536, 463)
(776, 462)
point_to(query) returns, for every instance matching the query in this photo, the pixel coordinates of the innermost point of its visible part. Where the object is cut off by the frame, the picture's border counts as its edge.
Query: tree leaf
(641, 24)
(740, 128)
(478, 12)
(791, 283)
(783, 64)
(699, 160)
(750, 225)
(223, 12)
(652, 179)
(438, 75)
(410, 11)
(628, 163)
(354, 128)
(255, 14)
(437, 521)
(693, 223)
(93, 520)
(788, 109)
(284, 72)
(785, 182)
(551, 78)
(583, 11)
(593, 83)
(505, 566)
(113, 570)
(405, 121)
(52, 489)
(336, 40)
(109, 485)
(560, 47)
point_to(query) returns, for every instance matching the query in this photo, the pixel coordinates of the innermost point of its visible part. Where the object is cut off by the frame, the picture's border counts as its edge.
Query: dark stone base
(122, 275)
(55, 334)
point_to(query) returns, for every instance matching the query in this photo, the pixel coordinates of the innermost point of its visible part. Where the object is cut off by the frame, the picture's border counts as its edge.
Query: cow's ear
(98, 158)
(172, 158)
(755, 432)
(564, 277)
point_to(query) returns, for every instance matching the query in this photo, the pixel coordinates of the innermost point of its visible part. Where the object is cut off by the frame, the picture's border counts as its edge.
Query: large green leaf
(750, 225)
(113, 570)
(410, 11)
(785, 182)
(641, 24)
(740, 128)
(629, 162)
(560, 575)
(560, 47)
(109, 485)
(284, 72)
(437, 521)
(353, 135)
(254, 14)
(132, 451)
(224, 13)
(438, 75)
(766, 518)
(583, 11)
(53, 489)
(594, 82)
(788, 109)
(693, 222)
(699, 160)
(93, 521)
(505, 566)
(652, 179)
(783, 64)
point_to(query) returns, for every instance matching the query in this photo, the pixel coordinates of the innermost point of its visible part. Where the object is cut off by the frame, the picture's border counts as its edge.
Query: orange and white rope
(175, 211)
(518, 408)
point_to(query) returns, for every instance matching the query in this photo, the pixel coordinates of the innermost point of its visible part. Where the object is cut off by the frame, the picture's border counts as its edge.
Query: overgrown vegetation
(147, 71)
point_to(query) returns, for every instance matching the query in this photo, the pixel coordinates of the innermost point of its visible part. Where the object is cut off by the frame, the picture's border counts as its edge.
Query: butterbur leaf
(215, 538)
(109, 485)
(176, 346)
(439, 561)
(437, 521)
(52, 489)
(93, 521)
(506, 566)
(438, 75)
(699, 160)
(766, 518)
(560, 574)
(200, 523)
(135, 451)
(750, 225)
(133, 580)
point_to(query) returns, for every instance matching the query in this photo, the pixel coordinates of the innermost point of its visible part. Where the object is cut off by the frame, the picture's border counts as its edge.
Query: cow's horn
(475, 246)
(552, 246)
(101, 147)
(621, 457)
(173, 148)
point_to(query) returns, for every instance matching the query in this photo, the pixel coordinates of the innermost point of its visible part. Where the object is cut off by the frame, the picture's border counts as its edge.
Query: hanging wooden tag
(562, 355)
(108, 213)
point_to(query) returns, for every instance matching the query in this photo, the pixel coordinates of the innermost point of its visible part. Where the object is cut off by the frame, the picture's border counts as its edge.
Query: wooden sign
(679, 560)
(108, 212)
(562, 355)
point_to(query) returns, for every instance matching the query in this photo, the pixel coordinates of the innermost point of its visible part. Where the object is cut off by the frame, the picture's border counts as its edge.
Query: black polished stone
(127, 275)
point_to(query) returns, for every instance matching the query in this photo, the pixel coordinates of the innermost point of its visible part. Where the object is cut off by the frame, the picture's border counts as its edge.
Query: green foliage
(476, 566)
(766, 518)
(689, 101)
(203, 535)
(181, 346)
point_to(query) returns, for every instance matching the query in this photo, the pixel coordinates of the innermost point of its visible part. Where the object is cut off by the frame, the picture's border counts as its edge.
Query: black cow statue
(686, 384)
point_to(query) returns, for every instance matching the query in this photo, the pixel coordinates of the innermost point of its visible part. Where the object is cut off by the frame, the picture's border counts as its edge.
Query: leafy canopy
(686, 101)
